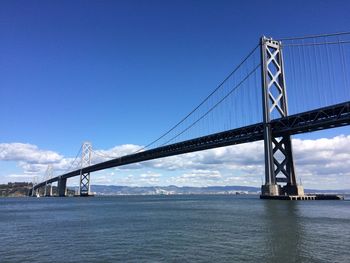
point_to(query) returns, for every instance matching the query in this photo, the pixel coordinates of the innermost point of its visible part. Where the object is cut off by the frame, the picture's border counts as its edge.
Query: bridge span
(315, 120)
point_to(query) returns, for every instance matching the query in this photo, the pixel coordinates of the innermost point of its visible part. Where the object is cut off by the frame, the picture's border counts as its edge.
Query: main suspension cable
(315, 36)
(206, 99)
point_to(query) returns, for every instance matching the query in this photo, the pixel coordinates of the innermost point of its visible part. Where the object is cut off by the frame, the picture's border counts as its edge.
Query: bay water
(175, 228)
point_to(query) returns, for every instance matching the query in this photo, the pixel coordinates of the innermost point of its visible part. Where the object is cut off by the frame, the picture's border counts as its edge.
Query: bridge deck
(314, 120)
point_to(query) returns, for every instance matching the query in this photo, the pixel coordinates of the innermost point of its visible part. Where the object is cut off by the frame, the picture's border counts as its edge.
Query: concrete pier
(302, 197)
(277, 190)
(48, 193)
(62, 187)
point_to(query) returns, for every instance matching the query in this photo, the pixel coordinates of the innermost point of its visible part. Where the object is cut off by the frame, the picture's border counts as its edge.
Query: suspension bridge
(250, 104)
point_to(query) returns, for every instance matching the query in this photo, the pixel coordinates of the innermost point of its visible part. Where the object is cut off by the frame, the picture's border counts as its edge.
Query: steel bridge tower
(48, 175)
(84, 182)
(279, 164)
(34, 183)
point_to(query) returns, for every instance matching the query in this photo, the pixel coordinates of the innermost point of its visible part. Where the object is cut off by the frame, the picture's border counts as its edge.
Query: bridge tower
(33, 192)
(48, 175)
(84, 185)
(279, 164)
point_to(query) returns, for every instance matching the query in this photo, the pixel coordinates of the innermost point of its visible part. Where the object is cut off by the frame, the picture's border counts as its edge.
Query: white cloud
(115, 152)
(149, 174)
(202, 174)
(20, 176)
(197, 178)
(28, 153)
(149, 178)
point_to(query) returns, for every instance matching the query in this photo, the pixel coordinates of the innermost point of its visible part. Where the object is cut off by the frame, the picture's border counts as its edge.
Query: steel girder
(324, 118)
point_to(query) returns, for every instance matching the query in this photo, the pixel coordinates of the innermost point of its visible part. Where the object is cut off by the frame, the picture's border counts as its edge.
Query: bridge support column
(84, 185)
(279, 164)
(62, 187)
(48, 190)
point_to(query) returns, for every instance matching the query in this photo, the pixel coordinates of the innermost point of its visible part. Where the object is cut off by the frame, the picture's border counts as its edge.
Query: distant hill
(19, 189)
(16, 189)
(172, 189)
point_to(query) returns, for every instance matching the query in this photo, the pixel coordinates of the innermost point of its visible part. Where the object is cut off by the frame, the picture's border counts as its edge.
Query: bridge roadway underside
(318, 119)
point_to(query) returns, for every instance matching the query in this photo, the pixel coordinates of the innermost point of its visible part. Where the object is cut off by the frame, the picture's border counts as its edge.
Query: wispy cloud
(28, 153)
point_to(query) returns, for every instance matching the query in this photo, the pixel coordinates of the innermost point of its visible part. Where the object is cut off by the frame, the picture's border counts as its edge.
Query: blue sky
(123, 72)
